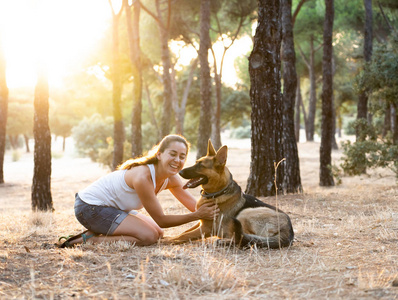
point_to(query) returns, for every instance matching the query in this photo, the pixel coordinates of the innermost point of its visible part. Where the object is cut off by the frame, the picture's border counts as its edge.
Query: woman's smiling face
(173, 158)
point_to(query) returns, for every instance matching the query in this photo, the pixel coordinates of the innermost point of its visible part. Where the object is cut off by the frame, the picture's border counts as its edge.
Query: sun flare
(61, 35)
(57, 34)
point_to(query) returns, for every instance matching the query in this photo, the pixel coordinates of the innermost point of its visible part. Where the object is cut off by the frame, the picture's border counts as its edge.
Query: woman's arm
(175, 186)
(144, 187)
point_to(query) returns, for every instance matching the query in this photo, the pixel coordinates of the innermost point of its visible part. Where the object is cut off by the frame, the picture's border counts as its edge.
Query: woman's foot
(80, 238)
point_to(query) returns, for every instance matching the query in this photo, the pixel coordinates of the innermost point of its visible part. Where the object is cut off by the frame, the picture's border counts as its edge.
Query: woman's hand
(208, 211)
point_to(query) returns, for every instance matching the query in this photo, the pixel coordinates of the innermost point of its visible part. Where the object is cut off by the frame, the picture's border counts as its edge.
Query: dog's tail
(245, 240)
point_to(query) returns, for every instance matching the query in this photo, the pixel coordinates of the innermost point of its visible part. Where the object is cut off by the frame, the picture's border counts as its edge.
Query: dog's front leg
(172, 239)
(195, 234)
(192, 228)
(190, 235)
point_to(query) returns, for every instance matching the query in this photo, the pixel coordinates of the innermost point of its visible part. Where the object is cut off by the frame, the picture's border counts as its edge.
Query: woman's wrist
(195, 215)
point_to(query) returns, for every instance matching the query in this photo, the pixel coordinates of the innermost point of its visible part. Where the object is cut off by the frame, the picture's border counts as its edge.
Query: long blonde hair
(151, 157)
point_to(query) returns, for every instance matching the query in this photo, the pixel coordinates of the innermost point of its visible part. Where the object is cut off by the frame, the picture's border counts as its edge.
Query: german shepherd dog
(243, 219)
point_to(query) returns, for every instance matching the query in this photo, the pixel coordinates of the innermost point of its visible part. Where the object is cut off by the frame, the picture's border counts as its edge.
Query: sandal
(69, 238)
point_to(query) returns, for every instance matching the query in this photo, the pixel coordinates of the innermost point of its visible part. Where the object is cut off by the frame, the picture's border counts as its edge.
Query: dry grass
(345, 246)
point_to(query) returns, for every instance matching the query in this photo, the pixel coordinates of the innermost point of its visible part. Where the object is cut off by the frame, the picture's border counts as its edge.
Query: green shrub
(243, 132)
(149, 136)
(368, 151)
(56, 155)
(349, 128)
(16, 156)
(90, 135)
(336, 173)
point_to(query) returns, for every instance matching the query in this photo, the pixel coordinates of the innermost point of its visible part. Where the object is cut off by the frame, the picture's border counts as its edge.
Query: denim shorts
(98, 219)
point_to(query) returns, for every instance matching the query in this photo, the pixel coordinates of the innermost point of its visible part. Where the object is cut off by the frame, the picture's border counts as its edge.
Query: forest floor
(345, 246)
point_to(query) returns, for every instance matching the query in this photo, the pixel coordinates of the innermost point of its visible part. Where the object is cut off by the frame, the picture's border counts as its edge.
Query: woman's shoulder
(139, 170)
(138, 173)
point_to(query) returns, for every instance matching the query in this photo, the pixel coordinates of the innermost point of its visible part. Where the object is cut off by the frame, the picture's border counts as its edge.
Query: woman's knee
(149, 237)
(139, 229)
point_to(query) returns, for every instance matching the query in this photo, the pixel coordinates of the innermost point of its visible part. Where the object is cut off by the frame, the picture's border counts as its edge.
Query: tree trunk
(394, 123)
(205, 80)
(118, 126)
(339, 122)
(164, 32)
(216, 117)
(174, 101)
(292, 179)
(152, 112)
(241, 12)
(216, 122)
(3, 111)
(362, 108)
(266, 102)
(179, 108)
(165, 127)
(297, 111)
(26, 138)
(41, 186)
(63, 143)
(334, 142)
(303, 109)
(325, 176)
(387, 120)
(310, 128)
(133, 29)
(13, 139)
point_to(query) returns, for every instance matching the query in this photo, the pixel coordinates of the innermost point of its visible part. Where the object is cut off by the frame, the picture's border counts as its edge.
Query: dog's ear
(221, 156)
(210, 149)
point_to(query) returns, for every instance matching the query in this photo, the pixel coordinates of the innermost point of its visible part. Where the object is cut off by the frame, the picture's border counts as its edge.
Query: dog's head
(209, 170)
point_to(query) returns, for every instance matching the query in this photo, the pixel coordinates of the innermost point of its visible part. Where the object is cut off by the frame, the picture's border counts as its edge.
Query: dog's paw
(167, 240)
(171, 241)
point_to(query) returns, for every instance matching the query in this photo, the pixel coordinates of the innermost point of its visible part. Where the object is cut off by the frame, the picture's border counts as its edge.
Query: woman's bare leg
(151, 222)
(132, 229)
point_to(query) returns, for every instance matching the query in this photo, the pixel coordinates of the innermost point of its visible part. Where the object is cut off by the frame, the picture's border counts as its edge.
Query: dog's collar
(219, 193)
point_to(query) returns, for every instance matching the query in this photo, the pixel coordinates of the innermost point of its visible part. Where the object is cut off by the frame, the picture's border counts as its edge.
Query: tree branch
(303, 56)
(151, 109)
(384, 16)
(215, 60)
(169, 15)
(189, 82)
(159, 21)
(297, 10)
(235, 35)
(113, 11)
(319, 47)
(218, 25)
(189, 41)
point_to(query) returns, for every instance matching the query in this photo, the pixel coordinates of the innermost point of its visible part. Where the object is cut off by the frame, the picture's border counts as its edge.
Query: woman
(107, 208)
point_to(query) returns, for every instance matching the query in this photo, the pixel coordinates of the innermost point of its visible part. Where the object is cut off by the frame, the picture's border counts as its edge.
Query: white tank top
(112, 190)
